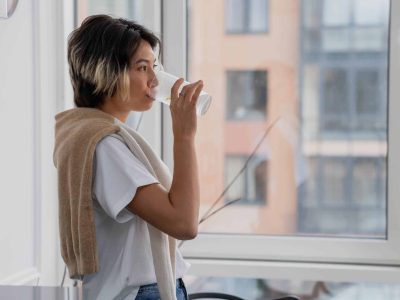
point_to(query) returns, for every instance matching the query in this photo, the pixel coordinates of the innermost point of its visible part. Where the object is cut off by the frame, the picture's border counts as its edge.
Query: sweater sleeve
(117, 176)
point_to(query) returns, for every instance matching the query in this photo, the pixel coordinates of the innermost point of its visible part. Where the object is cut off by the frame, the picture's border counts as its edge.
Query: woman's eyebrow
(143, 60)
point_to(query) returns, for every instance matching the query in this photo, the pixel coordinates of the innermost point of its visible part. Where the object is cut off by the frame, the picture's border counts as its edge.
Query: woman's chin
(147, 104)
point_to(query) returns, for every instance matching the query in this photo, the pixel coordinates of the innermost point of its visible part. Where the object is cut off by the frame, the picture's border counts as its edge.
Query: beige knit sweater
(77, 133)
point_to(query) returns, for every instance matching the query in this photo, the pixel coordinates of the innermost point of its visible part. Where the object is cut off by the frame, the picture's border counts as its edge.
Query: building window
(246, 95)
(345, 55)
(336, 12)
(250, 187)
(352, 100)
(354, 25)
(344, 195)
(368, 182)
(334, 102)
(246, 16)
(334, 174)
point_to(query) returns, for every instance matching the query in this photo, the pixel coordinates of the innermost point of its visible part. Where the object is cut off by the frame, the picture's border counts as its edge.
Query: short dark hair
(99, 54)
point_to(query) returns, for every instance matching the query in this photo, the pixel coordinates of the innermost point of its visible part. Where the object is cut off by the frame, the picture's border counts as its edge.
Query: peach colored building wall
(211, 53)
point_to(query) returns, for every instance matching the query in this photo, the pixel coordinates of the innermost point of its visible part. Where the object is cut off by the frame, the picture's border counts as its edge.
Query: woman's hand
(176, 212)
(183, 109)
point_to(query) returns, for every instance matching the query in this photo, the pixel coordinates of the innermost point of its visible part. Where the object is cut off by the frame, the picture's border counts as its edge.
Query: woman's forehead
(144, 51)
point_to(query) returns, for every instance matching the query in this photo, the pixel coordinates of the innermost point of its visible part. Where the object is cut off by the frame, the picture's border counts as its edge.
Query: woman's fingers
(188, 95)
(197, 92)
(191, 92)
(175, 89)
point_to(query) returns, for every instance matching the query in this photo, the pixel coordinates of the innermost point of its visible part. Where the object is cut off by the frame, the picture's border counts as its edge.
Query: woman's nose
(154, 81)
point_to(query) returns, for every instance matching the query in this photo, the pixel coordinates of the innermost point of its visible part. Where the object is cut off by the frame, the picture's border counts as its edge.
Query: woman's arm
(176, 212)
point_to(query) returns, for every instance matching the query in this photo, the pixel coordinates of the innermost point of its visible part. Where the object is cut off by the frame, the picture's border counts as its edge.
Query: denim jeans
(150, 291)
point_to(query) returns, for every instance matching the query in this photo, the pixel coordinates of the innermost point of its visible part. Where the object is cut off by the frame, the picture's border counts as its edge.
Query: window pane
(370, 101)
(233, 164)
(337, 12)
(334, 100)
(256, 181)
(251, 185)
(351, 190)
(235, 15)
(334, 178)
(368, 39)
(367, 92)
(366, 182)
(246, 94)
(310, 191)
(370, 12)
(258, 15)
(307, 108)
(335, 91)
(311, 101)
(336, 39)
(259, 186)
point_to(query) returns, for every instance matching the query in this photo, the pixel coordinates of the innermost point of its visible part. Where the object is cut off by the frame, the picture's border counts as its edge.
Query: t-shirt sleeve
(118, 173)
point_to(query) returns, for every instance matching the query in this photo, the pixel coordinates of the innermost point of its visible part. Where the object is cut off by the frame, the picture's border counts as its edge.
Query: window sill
(294, 270)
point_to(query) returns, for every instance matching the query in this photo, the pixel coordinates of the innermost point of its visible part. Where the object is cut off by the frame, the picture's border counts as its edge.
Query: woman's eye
(143, 68)
(155, 67)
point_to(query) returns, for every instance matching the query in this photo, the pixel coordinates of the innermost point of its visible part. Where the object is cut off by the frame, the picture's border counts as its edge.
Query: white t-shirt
(122, 237)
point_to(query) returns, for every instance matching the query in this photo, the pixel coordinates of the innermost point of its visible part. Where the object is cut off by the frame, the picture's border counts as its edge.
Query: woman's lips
(152, 94)
(151, 97)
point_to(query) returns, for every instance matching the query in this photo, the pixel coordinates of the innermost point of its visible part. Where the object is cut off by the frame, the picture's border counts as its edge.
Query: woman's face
(142, 78)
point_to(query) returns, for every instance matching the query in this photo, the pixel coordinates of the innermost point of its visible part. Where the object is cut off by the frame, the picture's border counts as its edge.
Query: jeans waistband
(179, 283)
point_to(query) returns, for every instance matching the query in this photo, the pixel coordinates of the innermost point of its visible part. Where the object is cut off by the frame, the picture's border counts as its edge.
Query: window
(319, 142)
(334, 102)
(367, 92)
(246, 95)
(345, 59)
(345, 100)
(336, 12)
(369, 182)
(333, 184)
(251, 186)
(246, 16)
(354, 25)
(370, 12)
(344, 195)
(353, 101)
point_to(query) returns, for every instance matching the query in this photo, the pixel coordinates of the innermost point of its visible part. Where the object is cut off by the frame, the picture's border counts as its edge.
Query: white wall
(31, 92)
(16, 159)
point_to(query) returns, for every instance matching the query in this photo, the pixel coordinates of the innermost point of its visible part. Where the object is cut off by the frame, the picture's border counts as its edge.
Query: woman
(120, 210)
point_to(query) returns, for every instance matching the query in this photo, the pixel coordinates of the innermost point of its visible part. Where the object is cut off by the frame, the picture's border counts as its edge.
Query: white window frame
(306, 258)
